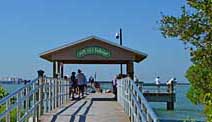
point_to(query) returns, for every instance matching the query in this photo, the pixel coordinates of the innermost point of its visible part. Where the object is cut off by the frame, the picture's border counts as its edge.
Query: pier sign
(93, 50)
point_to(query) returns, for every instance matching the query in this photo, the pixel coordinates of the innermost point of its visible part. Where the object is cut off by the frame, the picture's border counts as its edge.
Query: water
(184, 109)
(106, 86)
(11, 87)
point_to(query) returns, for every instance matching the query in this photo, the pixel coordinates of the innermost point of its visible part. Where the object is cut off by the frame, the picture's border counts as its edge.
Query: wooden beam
(94, 61)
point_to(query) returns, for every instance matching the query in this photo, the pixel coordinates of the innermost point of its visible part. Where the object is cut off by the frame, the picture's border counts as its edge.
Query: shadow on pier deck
(95, 107)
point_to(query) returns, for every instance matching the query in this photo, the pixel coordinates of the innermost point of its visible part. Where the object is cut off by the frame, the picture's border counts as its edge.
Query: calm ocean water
(11, 87)
(183, 107)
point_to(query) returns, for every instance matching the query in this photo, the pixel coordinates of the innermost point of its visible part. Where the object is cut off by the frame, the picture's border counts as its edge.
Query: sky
(30, 27)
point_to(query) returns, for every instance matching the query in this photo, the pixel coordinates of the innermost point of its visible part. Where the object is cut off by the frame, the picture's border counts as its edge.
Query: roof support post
(58, 69)
(54, 69)
(61, 70)
(130, 69)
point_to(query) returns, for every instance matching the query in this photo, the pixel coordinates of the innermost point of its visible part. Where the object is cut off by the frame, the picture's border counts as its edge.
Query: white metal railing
(35, 98)
(134, 103)
(161, 88)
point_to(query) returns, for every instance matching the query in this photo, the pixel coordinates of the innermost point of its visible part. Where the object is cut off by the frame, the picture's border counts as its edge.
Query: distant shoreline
(105, 81)
(144, 82)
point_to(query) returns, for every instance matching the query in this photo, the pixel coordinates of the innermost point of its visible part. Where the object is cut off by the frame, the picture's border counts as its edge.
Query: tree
(194, 28)
(3, 93)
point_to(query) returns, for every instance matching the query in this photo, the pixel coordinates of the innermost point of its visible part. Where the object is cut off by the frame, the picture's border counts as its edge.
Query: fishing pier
(46, 99)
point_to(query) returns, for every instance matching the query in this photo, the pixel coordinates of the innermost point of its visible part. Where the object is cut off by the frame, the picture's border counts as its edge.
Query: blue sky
(29, 27)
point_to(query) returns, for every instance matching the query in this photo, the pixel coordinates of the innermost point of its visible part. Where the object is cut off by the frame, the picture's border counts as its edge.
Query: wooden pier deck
(95, 107)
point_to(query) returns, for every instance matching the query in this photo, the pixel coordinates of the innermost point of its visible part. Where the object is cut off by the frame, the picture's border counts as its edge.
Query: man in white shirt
(157, 82)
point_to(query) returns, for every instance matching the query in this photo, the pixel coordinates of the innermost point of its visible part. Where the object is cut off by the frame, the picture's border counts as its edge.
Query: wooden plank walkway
(95, 107)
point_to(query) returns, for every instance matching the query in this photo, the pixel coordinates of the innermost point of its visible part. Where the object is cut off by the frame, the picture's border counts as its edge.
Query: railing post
(40, 93)
(128, 97)
(59, 92)
(148, 118)
(33, 103)
(55, 93)
(66, 90)
(63, 90)
(39, 99)
(49, 95)
(18, 107)
(137, 111)
(45, 93)
(27, 99)
(7, 107)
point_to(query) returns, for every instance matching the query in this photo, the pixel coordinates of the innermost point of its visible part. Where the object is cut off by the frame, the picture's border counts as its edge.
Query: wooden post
(54, 70)
(58, 69)
(130, 70)
(40, 93)
(62, 70)
(170, 105)
(57, 83)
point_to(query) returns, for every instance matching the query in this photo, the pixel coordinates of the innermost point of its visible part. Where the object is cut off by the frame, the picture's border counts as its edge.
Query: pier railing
(35, 98)
(161, 88)
(134, 103)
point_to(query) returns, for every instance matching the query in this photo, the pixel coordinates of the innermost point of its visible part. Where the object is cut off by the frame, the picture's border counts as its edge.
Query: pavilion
(92, 50)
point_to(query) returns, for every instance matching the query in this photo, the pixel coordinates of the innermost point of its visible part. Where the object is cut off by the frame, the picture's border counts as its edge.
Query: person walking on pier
(81, 82)
(91, 80)
(73, 84)
(114, 81)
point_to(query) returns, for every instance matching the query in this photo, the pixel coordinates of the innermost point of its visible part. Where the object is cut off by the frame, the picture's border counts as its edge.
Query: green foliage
(3, 93)
(13, 114)
(195, 30)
